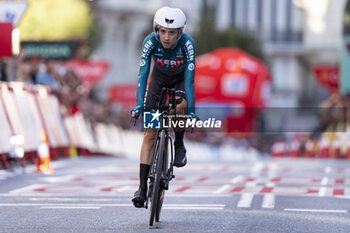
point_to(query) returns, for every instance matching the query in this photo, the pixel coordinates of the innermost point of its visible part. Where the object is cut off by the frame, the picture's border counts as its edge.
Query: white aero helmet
(169, 18)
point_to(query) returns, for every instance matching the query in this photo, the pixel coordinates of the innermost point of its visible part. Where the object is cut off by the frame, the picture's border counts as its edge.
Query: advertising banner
(12, 11)
(6, 39)
(328, 77)
(60, 50)
(123, 94)
(90, 72)
(235, 82)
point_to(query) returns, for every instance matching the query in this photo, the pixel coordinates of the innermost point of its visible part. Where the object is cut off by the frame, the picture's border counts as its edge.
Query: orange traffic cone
(44, 155)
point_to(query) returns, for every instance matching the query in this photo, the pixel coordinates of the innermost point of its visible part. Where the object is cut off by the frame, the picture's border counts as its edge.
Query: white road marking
(237, 179)
(246, 200)
(322, 192)
(76, 199)
(57, 179)
(98, 206)
(26, 188)
(268, 201)
(257, 167)
(89, 195)
(222, 189)
(124, 188)
(198, 195)
(328, 170)
(193, 208)
(70, 207)
(251, 184)
(317, 211)
(194, 205)
(324, 181)
(273, 168)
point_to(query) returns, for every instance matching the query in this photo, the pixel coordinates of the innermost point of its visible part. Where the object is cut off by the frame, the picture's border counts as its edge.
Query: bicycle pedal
(164, 185)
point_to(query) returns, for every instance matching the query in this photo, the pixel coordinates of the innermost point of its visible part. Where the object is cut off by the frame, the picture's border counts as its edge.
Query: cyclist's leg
(140, 195)
(180, 150)
(180, 109)
(147, 145)
(154, 88)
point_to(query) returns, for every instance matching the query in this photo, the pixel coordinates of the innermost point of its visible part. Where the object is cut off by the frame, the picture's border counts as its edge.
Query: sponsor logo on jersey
(190, 51)
(191, 66)
(142, 62)
(179, 52)
(173, 64)
(147, 48)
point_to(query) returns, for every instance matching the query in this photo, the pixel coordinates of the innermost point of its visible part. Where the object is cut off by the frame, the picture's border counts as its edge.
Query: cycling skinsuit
(173, 68)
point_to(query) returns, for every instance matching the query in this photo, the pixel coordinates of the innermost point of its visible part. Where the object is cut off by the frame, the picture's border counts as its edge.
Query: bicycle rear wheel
(155, 195)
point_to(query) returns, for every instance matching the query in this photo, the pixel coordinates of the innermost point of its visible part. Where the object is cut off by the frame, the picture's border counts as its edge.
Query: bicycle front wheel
(164, 174)
(155, 195)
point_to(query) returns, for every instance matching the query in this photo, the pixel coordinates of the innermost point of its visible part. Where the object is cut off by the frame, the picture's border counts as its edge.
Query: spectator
(46, 75)
(3, 75)
(34, 69)
(24, 73)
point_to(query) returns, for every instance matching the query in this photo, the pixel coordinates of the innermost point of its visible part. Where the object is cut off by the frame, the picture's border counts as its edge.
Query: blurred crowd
(73, 95)
(331, 138)
(334, 113)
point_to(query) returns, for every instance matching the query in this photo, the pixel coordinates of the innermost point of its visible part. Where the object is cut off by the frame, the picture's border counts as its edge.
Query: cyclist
(173, 52)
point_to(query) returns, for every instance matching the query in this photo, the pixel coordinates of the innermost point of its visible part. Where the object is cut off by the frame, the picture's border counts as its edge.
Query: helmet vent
(169, 21)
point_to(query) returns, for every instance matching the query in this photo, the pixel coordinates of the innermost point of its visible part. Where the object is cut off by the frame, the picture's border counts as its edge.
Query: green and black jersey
(170, 62)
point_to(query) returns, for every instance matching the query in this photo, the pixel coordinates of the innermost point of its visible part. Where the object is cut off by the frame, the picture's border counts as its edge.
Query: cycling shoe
(139, 198)
(180, 156)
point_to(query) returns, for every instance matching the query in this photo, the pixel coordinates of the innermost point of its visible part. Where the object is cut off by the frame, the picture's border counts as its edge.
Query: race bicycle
(161, 170)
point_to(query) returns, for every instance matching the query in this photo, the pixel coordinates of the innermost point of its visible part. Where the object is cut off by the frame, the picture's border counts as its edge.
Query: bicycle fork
(164, 181)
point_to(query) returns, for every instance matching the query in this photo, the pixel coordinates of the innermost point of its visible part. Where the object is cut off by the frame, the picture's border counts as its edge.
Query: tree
(209, 38)
(60, 20)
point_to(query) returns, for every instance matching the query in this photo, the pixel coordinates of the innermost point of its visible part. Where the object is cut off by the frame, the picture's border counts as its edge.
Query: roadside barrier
(335, 145)
(28, 110)
(5, 132)
(80, 133)
(279, 149)
(52, 120)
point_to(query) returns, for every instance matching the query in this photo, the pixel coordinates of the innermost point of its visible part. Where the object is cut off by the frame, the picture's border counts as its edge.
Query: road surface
(92, 194)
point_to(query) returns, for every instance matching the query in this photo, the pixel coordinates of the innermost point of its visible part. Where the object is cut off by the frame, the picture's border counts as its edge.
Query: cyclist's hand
(194, 116)
(136, 112)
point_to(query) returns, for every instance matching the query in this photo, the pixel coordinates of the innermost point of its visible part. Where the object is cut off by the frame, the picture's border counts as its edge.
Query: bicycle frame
(161, 176)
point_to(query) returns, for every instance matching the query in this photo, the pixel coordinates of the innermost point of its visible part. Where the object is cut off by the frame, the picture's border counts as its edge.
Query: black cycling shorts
(159, 80)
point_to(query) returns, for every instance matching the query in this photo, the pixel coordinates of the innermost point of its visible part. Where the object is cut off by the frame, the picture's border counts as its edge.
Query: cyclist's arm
(145, 64)
(189, 75)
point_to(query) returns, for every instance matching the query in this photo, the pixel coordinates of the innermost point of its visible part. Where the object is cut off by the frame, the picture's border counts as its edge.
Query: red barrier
(279, 149)
(27, 110)
(3, 159)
